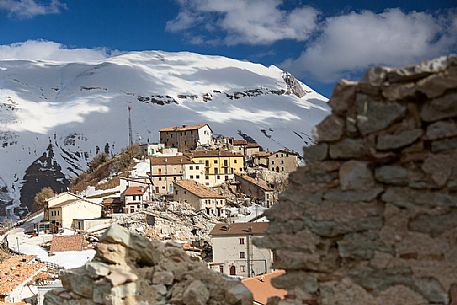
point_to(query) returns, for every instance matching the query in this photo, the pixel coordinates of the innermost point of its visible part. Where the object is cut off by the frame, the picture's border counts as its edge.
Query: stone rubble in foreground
(130, 269)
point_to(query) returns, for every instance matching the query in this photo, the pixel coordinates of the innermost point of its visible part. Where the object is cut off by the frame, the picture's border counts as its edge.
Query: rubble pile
(130, 269)
(171, 220)
(372, 217)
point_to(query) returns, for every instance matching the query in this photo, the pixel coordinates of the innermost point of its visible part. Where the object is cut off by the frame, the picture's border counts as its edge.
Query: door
(232, 270)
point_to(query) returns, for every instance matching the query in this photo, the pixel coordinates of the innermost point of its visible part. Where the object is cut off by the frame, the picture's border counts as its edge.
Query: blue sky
(318, 41)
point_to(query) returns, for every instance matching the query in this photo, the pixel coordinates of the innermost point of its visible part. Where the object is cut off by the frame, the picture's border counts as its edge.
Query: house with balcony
(135, 198)
(219, 165)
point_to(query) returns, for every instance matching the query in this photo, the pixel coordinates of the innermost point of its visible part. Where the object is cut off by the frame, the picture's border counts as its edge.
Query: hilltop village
(204, 192)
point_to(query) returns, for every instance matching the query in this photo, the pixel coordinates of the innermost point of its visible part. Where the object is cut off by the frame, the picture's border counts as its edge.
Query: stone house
(63, 209)
(165, 171)
(283, 161)
(256, 189)
(237, 146)
(199, 197)
(234, 252)
(251, 149)
(135, 198)
(17, 276)
(260, 159)
(187, 137)
(219, 165)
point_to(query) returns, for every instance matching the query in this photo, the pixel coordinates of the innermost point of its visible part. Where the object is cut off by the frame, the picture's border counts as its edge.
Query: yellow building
(219, 162)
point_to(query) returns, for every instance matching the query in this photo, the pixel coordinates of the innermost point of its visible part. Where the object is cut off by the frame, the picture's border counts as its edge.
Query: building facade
(219, 165)
(135, 198)
(235, 254)
(63, 209)
(187, 137)
(283, 161)
(200, 197)
(165, 171)
(256, 189)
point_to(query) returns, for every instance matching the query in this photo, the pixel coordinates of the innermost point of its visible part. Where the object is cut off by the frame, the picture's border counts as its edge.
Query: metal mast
(130, 127)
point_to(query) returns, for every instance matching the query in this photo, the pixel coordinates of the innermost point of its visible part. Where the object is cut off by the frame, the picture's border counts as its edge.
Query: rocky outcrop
(130, 269)
(371, 218)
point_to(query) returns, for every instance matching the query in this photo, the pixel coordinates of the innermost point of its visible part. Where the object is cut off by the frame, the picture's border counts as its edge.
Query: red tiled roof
(240, 142)
(261, 287)
(173, 160)
(183, 127)
(134, 190)
(198, 189)
(243, 228)
(66, 243)
(257, 183)
(214, 153)
(16, 270)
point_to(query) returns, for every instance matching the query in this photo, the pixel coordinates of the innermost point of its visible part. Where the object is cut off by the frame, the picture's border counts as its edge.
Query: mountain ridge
(80, 108)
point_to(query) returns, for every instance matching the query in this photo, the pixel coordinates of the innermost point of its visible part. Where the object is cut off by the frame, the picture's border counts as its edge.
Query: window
(221, 267)
(218, 177)
(215, 161)
(197, 176)
(191, 177)
(163, 187)
(206, 177)
(242, 241)
(241, 169)
(242, 268)
(197, 167)
(242, 255)
(160, 178)
(191, 167)
(176, 192)
(272, 162)
(282, 161)
(234, 161)
(174, 178)
(282, 168)
(216, 171)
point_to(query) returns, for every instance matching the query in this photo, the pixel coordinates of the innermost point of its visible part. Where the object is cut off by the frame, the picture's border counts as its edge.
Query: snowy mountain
(55, 116)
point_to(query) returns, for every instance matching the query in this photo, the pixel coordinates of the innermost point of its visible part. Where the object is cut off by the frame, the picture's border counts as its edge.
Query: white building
(235, 254)
(135, 198)
(199, 197)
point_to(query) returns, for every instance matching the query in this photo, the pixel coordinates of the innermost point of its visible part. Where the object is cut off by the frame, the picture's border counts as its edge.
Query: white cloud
(354, 41)
(47, 50)
(30, 8)
(245, 21)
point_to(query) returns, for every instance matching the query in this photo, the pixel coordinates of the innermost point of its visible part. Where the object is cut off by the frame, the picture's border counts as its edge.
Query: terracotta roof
(239, 142)
(261, 287)
(262, 154)
(16, 270)
(256, 182)
(198, 189)
(173, 160)
(183, 127)
(242, 228)
(290, 152)
(111, 200)
(134, 190)
(253, 145)
(214, 153)
(66, 243)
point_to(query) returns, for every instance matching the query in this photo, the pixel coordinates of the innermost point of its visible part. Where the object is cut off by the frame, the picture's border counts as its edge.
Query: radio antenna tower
(130, 127)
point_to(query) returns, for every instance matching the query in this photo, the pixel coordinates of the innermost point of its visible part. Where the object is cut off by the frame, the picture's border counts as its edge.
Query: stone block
(318, 152)
(331, 129)
(441, 130)
(374, 116)
(440, 108)
(355, 175)
(392, 174)
(395, 141)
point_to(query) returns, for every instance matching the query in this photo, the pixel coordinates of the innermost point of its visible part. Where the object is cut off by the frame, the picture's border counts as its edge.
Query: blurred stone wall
(372, 217)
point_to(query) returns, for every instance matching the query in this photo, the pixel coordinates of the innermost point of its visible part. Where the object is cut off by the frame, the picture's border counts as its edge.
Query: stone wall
(130, 269)
(372, 218)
